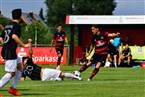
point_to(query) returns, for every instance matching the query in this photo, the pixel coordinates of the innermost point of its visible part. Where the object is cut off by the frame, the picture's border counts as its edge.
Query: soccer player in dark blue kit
(35, 72)
(10, 38)
(100, 42)
(59, 38)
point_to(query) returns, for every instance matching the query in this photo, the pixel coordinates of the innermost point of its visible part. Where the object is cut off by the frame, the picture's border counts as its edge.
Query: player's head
(126, 46)
(16, 14)
(94, 29)
(59, 27)
(24, 59)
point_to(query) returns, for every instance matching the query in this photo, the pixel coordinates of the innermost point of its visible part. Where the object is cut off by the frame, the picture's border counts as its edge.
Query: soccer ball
(77, 73)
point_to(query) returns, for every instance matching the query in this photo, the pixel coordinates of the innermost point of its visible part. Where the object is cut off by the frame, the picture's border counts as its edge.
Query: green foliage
(36, 29)
(94, 7)
(58, 9)
(41, 14)
(4, 21)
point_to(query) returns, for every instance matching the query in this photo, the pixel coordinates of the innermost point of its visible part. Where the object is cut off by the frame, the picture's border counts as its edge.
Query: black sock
(58, 61)
(84, 67)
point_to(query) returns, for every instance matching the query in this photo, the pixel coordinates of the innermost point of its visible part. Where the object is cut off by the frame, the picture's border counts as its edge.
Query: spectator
(112, 55)
(125, 55)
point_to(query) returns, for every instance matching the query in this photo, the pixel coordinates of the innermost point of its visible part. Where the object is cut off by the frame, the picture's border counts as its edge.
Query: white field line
(86, 82)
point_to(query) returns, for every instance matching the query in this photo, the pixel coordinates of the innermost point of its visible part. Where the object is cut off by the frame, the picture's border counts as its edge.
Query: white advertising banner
(105, 19)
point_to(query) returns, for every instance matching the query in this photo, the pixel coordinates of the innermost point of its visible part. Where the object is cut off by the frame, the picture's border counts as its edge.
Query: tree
(58, 9)
(38, 32)
(4, 21)
(94, 7)
(41, 14)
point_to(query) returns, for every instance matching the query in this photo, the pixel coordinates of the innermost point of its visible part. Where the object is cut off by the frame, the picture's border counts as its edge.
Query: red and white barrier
(41, 55)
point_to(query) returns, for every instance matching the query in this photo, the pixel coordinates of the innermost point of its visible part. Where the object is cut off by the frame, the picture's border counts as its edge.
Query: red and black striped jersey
(59, 39)
(101, 43)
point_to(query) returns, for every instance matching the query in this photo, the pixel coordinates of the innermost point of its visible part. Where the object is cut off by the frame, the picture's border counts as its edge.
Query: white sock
(115, 64)
(16, 78)
(69, 75)
(107, 64)
(5, 79)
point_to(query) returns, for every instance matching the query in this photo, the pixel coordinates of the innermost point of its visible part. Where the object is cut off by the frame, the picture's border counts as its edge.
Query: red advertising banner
(41, 55)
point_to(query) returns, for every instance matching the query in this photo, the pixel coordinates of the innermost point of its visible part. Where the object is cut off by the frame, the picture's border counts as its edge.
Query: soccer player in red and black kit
(100, 42)
(10, 38)
(59, 38)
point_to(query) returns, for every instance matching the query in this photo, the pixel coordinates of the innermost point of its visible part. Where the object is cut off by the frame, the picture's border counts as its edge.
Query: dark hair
(16, 13)
(23, 58)
(59, 25)
(95, 26)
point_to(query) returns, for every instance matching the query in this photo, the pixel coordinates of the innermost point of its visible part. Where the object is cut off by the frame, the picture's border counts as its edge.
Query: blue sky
(6, 6)
(130, 7)
(124, 7)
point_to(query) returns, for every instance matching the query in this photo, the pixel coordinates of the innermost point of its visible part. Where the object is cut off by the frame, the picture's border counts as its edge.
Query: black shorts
(113, 53)
(59, 50)
(98, 58)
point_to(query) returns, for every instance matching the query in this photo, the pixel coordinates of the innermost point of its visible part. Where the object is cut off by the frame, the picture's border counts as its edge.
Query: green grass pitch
(109, 82)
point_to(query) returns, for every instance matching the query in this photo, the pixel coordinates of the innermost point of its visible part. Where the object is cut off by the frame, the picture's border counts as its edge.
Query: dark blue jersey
(32, 70)
(10, 45)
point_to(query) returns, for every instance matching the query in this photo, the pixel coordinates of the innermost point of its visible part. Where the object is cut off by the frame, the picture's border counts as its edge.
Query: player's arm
(112, 35)
(1, 27)
(23, 77)
(16, 38)
(30, 48)
(66, 40)
(52, 43)
(91, 48)
(1, 37)
(129, 53)
(1, 40)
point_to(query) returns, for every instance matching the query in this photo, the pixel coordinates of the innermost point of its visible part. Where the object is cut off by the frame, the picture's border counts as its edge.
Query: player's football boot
(88, 79)
(80, 79)
(14, 92)
(1, 95)
(58, 68)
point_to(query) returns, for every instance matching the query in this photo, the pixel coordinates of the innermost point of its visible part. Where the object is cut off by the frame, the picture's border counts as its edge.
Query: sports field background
(110, 82)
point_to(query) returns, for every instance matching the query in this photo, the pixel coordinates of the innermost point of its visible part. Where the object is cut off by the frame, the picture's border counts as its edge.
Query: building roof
(30, 18)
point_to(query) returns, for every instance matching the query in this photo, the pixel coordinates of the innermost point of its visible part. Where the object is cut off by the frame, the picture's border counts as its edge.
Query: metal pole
(36, 37)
